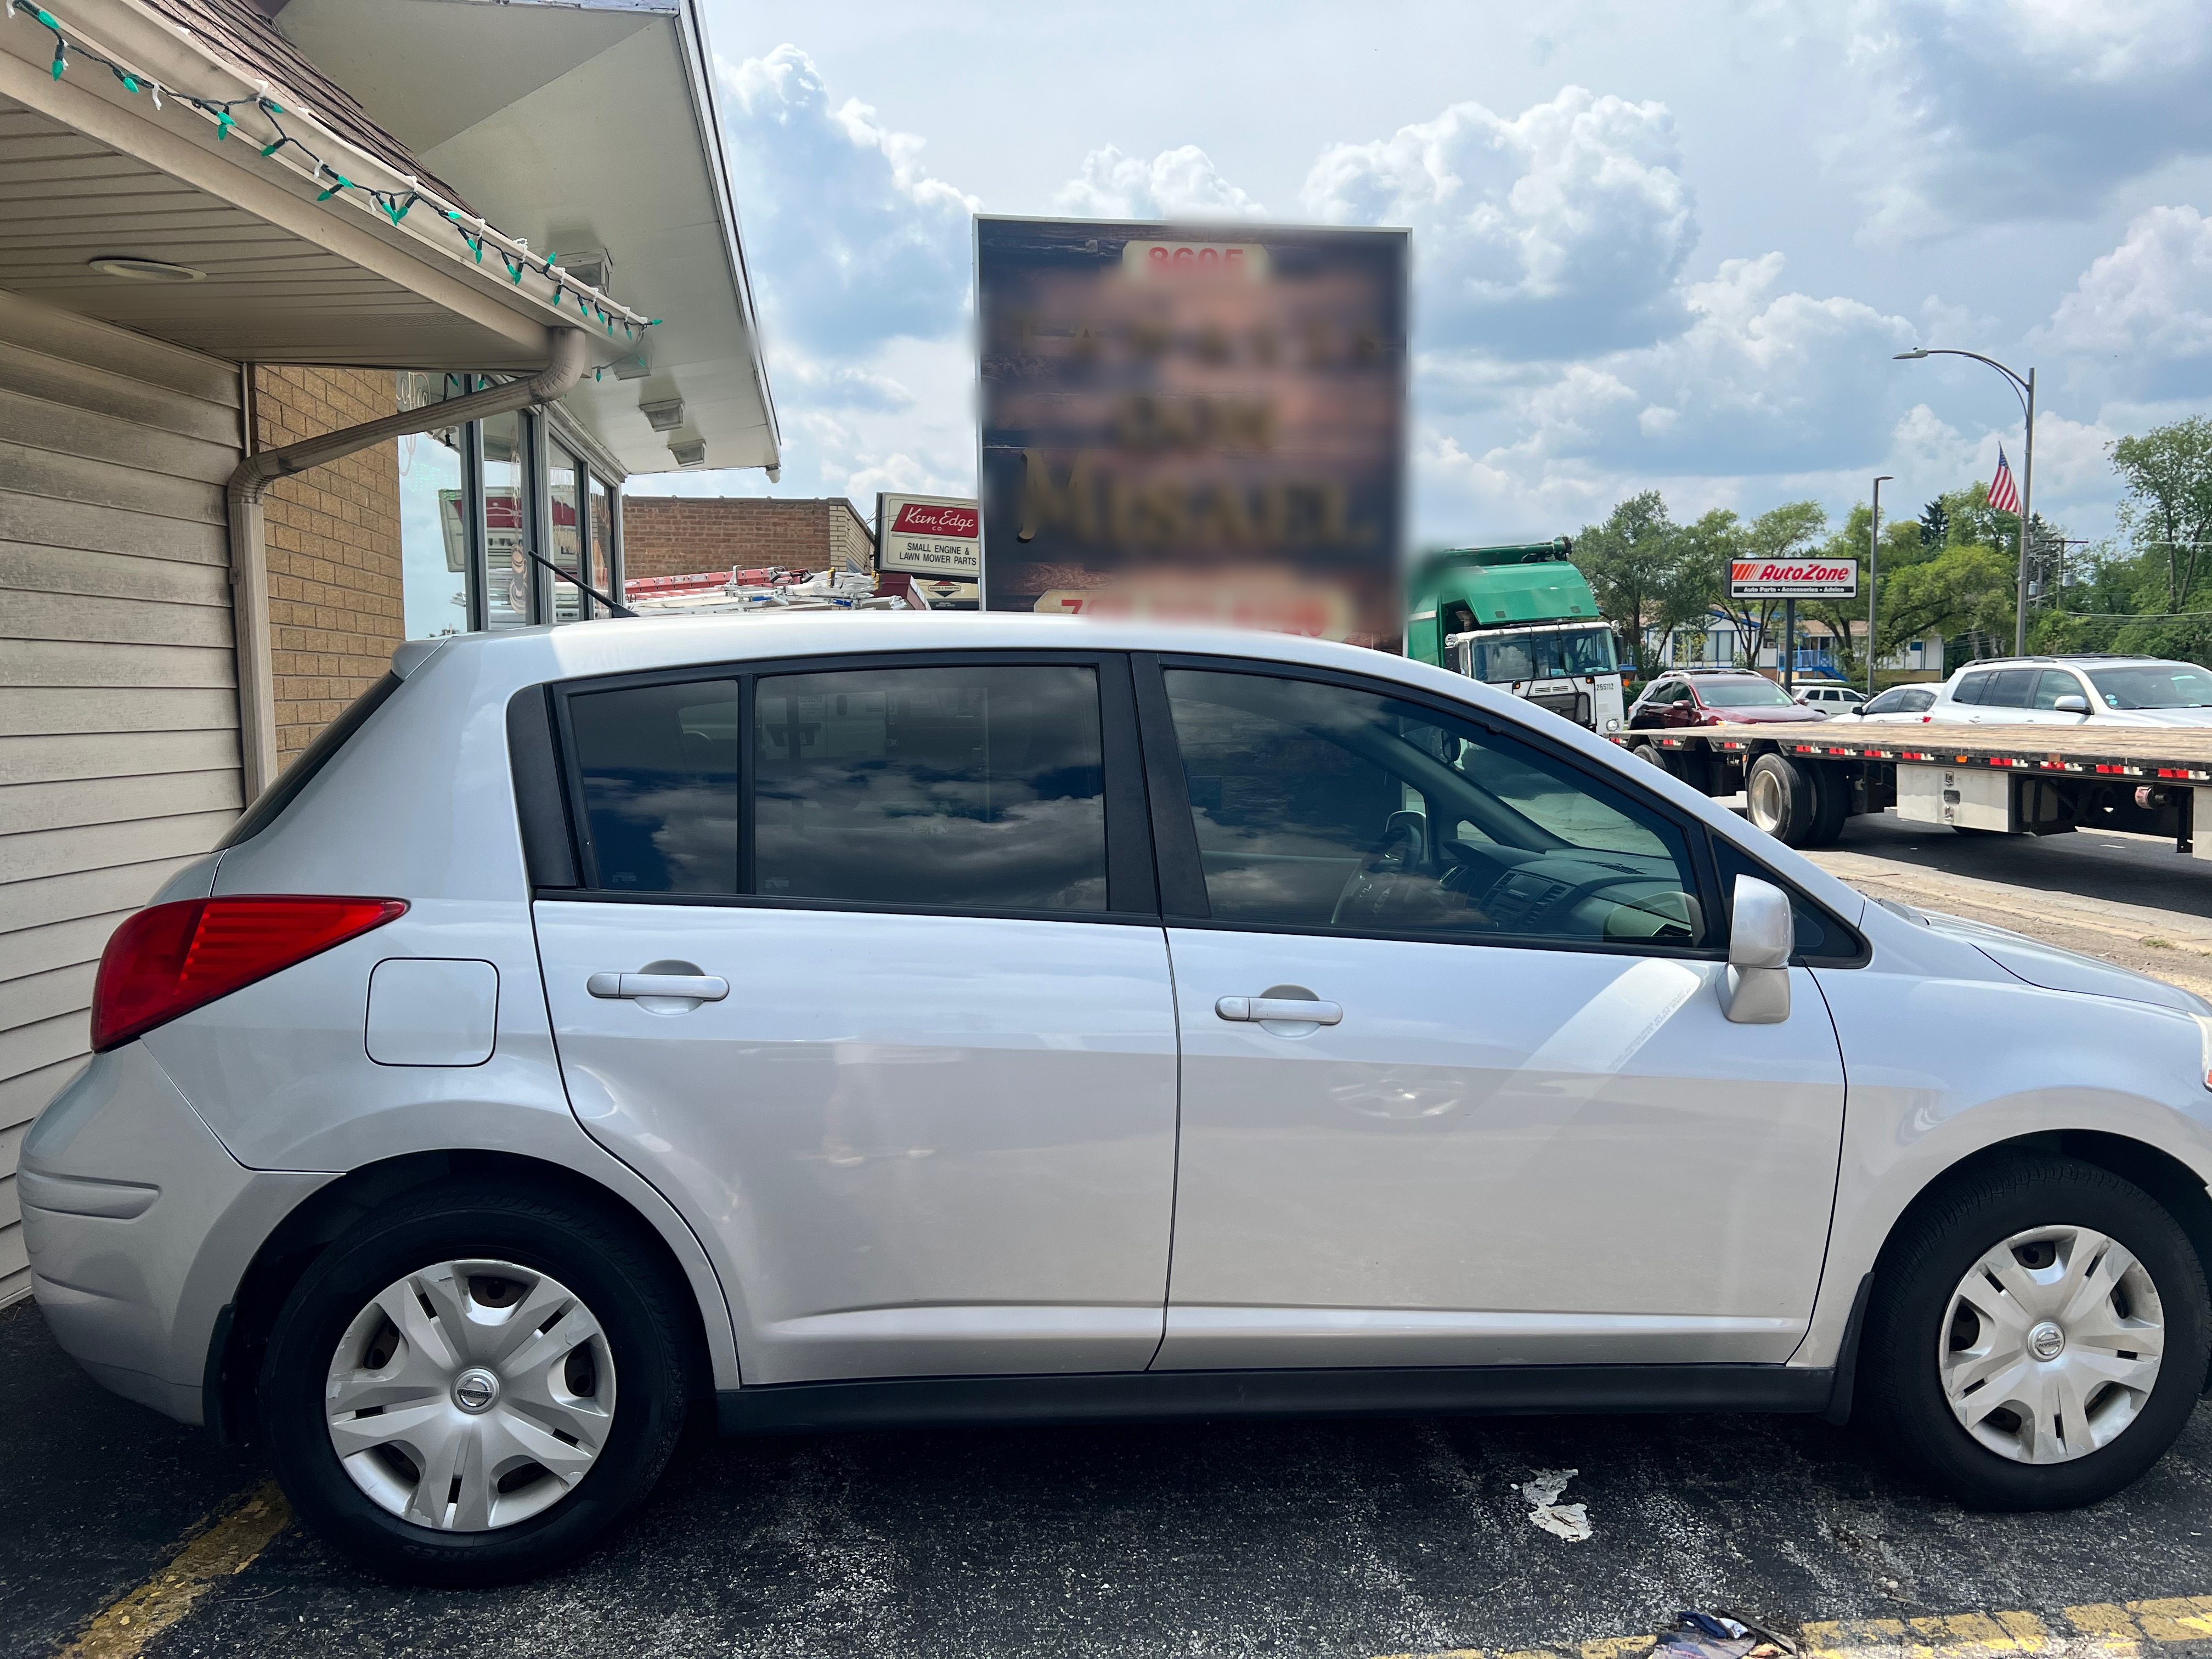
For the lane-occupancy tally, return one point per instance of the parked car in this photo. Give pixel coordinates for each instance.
(1716, 697)
(834, 1018)
(1830, 697)
(1899, 705)
(2083, 691)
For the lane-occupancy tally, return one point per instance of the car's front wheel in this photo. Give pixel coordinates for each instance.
(2039, 1335)
(474, 1384)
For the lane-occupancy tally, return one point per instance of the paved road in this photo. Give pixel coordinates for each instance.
(1292, 1539)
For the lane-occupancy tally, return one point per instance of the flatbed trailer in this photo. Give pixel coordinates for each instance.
(1802, 782)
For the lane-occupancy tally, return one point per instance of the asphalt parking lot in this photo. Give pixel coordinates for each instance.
(1357, 1539)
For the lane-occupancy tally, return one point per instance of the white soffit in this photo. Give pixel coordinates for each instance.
(581, 127)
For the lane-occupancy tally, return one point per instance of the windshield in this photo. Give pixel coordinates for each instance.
(1551, 654)
(2169, 685)
(1742, 694)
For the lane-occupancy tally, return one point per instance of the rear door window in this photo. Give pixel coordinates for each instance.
(657, 772)
(2010, 688)
(967, 787)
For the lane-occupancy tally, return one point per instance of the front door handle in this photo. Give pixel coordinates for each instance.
(699, 988)
(1259, 1008)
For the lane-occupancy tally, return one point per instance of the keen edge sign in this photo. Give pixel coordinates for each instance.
(1794, 579)
(938, 536)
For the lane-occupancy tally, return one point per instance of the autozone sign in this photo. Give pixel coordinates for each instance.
(929, 535)
(1794, 579)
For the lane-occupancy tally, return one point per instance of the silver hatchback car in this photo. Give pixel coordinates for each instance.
(872, 1020)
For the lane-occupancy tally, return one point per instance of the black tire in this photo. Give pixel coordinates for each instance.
(1923, 1266)
(1783, 799)
(1831, 795)
(1648, 753)
(612, 1269)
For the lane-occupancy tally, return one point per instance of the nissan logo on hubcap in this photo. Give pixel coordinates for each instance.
(2046, 1341)
(474, 1391)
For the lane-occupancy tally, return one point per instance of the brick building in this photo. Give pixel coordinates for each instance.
(677, 535)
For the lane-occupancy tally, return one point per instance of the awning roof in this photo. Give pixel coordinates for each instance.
(584, 127)
(580, 128)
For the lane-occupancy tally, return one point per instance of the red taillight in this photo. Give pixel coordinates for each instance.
(172, 958)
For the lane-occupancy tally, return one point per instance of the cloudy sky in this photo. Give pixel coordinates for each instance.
(1671, 246)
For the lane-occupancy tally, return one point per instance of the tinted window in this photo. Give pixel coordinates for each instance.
(959, 786)
(2010, 688)
(658, 768)
(1320, 807)
(1972, 687)
(1916, 700)
(2054, 684)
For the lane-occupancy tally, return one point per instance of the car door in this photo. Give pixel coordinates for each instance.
(865, 973)
(2052, 684)
(1517, 1127)
(2007, 697)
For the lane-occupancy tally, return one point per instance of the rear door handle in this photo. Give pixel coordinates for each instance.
(1258, 1008)
(700, 987)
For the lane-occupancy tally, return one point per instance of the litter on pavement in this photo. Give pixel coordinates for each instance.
(1569, 1521)
(1718, 1635)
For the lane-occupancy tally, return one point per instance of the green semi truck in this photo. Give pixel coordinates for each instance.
(1523, 619)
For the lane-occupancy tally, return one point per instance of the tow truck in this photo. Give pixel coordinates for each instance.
(1522, 618)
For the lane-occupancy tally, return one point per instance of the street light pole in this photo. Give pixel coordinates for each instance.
(1874, 569)
(2025, 391)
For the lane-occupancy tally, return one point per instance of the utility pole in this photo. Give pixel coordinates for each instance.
(1874, 559)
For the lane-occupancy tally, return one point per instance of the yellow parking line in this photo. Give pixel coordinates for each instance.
(122, 1629)
(2106, 1628)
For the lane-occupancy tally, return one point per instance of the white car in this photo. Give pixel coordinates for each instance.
(1900, 705)
(838, 1018)
(1832, 695)
(2074, 691)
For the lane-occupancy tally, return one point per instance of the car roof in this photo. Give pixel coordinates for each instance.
(2105, 659)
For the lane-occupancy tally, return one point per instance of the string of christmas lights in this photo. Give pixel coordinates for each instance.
(394, 204)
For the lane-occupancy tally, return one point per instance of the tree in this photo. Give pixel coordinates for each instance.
(1935, 524)
(1787, 531)
(1632, 561)
(1963, 587)
(2167, 473)
(1900, 546)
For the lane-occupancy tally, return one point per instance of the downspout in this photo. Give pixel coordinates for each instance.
(249, 553)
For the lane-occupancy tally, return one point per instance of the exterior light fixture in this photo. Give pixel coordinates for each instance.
(145, 271)
(664, 416)
(691, 451)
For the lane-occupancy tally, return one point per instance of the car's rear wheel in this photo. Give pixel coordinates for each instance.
(2039, 1335)
(474, 1384)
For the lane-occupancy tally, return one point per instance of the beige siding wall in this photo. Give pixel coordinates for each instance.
(118, 707)
(335, 611)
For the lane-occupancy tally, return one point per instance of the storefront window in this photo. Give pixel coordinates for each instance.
(602, 526)
(434, 542)
(566, 481)
(507, 521)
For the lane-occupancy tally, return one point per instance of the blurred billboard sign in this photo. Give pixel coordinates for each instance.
(937, 536)
(1205, 423)
(1793, 579)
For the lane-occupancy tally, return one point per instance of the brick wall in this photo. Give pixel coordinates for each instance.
(335, 610)
(677, 535)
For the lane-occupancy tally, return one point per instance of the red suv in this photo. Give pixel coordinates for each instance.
(1724, 697)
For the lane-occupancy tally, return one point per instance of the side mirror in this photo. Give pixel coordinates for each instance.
(2073, 703)
(1762, 932)
(1855, 707)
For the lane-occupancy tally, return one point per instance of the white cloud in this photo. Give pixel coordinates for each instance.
(1176, 184)
(1564, 228)
(1996, 110)
(2148, 303)
(850, 240)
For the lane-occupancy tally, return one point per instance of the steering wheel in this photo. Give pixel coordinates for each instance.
(1390, 884)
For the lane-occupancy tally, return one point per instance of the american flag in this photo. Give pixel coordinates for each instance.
(2003, 496)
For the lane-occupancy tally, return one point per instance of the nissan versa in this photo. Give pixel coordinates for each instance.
(887, 1019)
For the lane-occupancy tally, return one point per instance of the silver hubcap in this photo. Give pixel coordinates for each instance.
(1766, 801)
(471, 1395)
(2051, 1345)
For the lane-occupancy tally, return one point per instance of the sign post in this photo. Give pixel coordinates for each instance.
(1193, 421)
